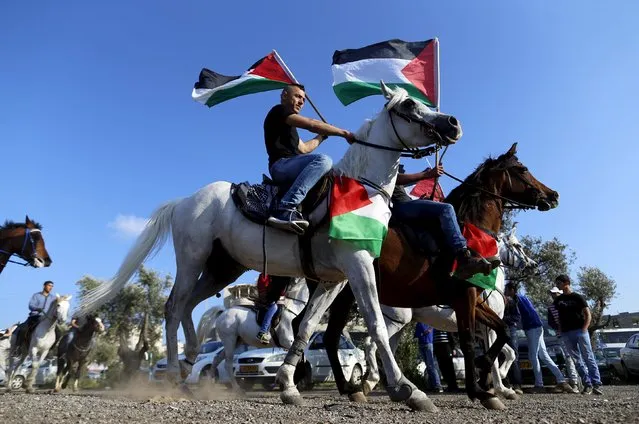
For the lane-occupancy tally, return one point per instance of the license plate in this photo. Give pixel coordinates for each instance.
(525, 364)
(249, 369)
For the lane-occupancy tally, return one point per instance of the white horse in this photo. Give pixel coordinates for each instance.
(512, 255)
(215, 244)
(239, 323)
(42, 338)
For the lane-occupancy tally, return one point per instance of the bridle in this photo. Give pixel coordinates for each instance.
(286, 308)
(28, 238)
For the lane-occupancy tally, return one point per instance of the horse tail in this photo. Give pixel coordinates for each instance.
(153, 237)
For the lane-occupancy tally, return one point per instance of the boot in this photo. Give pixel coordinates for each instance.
(467, 266)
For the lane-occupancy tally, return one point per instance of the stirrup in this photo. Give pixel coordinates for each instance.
(297, 227)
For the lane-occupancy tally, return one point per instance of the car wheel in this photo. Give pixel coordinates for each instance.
(625, 374)
(356, 376)
(17, 382)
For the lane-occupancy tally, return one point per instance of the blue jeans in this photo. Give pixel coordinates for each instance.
(578, 344)
(268, 317)
(302, 172)
(427, 209)
(431, 366)
(537, 350)
(514, 372)
(573, 377)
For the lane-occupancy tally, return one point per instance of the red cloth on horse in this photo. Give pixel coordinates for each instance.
(425, 188)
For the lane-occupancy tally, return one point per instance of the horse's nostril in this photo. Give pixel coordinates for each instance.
(453, 121)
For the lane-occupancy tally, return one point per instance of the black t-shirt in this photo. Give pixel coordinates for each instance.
(399, 193)
(571, 311)
(281, 139)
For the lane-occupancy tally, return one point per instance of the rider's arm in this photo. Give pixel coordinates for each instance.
(410, 179)
(34, 304)
(317, 127)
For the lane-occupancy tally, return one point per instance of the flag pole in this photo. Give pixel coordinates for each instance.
(292, 77)
(437, 76)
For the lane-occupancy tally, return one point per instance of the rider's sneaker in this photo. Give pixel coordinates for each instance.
(564, 387)
(587, 390)
(263, 338)
(288, 219)
(597, 390)
(467, 266)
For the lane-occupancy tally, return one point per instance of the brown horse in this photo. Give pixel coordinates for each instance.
(408, 279)
(25, 241)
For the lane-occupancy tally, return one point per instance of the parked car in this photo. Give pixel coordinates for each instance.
(159, 369)
(458, 366)
(555, 351)
(46, 374)
(204, 360)
(630, 358)
(607, 371)
(260, 366)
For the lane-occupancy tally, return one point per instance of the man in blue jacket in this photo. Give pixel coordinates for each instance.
(534, 329)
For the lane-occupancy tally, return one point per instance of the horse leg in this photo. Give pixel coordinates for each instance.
(60, 373)
(338, 317)
(35, 365)
(490, 337)
(361, 277)
(317, 305)
(78, 374)
(207, 285)
(14, 364)
(463, 302)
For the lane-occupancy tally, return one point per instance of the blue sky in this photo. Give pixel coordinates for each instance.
(97, 116)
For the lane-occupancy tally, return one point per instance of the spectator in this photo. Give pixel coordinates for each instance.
(444, 356)
(512, 318)
(534, 329)
(574, 320)
(424, 335)
(553, 322)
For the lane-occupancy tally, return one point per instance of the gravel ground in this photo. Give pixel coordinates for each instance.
(619, 404)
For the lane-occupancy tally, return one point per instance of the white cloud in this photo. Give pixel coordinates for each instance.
(128, 226)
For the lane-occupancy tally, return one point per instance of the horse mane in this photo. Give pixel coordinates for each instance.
(468, 201)
(10, 225)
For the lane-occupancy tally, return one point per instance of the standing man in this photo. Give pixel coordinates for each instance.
(553, 322)
(444, 356)
(424, 335)
(512, 318)
(534, 329)
(574, 320)
(290, 160)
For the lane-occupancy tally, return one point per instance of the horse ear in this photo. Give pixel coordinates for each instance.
(57, 296)
(68, 297)
(387, 92)
(513, 150)
(28, 222)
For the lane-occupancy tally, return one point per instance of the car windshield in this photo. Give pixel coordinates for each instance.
(210, 347)
(615, 336)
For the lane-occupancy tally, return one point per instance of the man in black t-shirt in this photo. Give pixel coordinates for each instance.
(574, 320)
(289, 158)
(407, 209)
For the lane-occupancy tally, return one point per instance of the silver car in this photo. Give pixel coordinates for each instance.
(46, 374)
(630, 357)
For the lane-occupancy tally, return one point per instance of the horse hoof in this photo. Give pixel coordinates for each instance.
(511, 396)
(420, 402)
(493, 403)
(291, 397)
(184, 389)
(29, 390)
(366, 388)
(357, 397)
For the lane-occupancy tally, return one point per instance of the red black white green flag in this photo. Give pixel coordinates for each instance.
(411, 65)
(266, 74)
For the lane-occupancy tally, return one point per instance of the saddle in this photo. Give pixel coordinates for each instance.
(23, 333)
(258, 201)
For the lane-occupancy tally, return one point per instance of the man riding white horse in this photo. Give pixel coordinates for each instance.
(38, 305)
(289, 159)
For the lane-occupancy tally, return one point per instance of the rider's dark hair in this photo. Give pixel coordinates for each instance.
(300, 86)
(48, 282)
(563, 278)
(512, 286)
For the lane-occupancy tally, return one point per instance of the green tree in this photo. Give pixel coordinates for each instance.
(553, 258)
(598, 289)
(124, 316)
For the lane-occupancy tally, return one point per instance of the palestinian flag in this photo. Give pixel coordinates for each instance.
(359, 215)
(411, 65)
(267, 74)
(485, 245)
(424, 189)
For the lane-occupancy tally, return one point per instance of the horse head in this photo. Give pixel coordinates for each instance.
(94, 323)
(59, 309)
(414, 124)
(25, 240)
(514, 182)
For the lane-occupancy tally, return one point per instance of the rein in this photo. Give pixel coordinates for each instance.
(518, 204)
